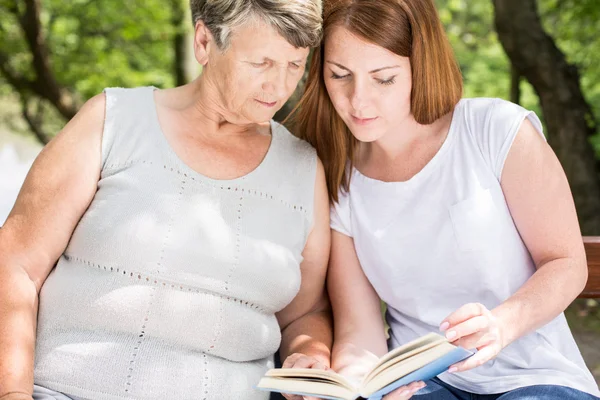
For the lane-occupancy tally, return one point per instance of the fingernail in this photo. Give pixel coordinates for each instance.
(450, 335)
(452, 370)
(444, 326)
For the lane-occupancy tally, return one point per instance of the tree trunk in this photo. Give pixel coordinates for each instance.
(515, 85)
(46, 83)
(178, 21)
(568, 117)
(43, 84)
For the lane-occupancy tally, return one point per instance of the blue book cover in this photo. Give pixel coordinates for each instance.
(427, 372)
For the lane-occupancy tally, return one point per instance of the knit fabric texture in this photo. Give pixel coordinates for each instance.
(169, 286)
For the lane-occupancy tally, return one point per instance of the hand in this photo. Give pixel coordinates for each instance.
(405, 392)
(298, 360)
(473, 326)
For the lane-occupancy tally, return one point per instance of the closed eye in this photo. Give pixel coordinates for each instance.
(259, 65)
(335, 76)
(389, 81)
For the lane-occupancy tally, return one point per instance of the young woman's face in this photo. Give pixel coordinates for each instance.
(370, 87)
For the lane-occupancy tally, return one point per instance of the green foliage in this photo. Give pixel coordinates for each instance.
(100, 43)
(95, 44)
(573, 24)
(486, 68)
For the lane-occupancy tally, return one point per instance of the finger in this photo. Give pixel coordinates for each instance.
(478, 340)
(305, 362)
(464, 313)
(319, 365)
(481, 357)
(405, 392)
(474, 341)
(469, 327)
(291, 360)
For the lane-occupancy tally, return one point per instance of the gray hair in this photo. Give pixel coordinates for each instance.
(297, 21)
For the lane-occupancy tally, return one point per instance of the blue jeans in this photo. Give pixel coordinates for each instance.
(438, 390)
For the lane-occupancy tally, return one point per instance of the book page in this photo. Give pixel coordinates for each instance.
(404, 352)
(407, 350)
(324, 390)
(304, 373)
(405, 367)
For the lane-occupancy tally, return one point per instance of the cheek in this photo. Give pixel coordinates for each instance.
(337, 94)
(396, 102)
(293, 80)
(245, 86)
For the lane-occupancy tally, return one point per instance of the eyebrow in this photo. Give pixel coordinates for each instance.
(371, 72)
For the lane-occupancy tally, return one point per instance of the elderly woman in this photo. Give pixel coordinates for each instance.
(189, 231)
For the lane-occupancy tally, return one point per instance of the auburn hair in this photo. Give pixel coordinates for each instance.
(408, 28)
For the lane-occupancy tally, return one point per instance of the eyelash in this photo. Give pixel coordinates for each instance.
(334, 76)
(388, 82)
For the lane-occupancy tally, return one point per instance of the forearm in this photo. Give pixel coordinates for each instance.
(356, 349)
(18, 312)
(543, 297)
(311, 335)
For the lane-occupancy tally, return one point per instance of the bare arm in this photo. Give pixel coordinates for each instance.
(56, 193)
(306, 321)
(541, 204)
(359, 329)
(359, 339)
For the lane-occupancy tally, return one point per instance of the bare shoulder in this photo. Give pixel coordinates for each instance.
(93, 112)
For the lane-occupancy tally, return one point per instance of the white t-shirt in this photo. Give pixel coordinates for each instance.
(446, 238)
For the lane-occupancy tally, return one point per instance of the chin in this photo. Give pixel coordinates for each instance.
(261, 116)
(258, 118)
(365, 134)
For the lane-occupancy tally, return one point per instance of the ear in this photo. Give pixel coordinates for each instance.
(203, 42)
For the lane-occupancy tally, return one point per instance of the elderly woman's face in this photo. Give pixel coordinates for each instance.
(257, 74)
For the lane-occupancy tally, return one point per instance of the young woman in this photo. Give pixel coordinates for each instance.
(189, 231)
(456, 213)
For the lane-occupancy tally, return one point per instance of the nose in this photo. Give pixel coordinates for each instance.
(276, 82)
(359, 95)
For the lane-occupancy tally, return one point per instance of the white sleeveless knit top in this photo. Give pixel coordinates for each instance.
(169, 286)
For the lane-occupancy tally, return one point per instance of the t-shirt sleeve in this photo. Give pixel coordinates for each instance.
(494, 124)
(340, 214)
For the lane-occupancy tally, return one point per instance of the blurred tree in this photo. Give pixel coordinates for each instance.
(57, 56)
(575, 25)
(569, 119)
(180, 24)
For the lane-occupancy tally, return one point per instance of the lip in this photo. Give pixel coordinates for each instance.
(270, 105)
(362, 121)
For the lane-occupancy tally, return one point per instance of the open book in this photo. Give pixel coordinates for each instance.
(419, 360)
